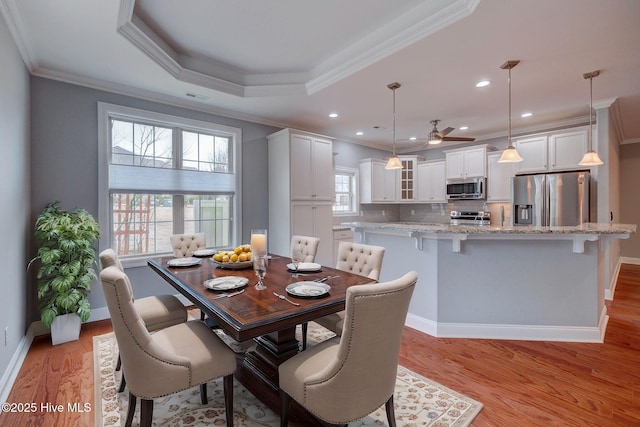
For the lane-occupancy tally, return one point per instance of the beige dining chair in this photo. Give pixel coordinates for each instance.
(185, 244)
(170, 360)
(357, 258)
(306, 246)
(348, 377)
(157, 312)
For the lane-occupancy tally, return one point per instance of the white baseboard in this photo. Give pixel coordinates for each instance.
(12, 371)
(510, 332)
(609, 293)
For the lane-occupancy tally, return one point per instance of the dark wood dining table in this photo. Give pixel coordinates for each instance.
(260, 315)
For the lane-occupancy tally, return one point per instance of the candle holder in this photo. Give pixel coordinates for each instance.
(259, 255)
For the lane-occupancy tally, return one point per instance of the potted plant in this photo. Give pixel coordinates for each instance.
(67, 256)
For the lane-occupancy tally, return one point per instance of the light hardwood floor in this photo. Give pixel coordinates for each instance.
(520, 383)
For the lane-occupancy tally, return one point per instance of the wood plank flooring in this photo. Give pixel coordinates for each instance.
(520, 383)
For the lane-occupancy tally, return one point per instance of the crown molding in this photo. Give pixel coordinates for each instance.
(399, 33)
(403, 31)
(20, 32)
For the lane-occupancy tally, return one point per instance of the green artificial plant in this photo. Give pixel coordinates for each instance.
(67, 256)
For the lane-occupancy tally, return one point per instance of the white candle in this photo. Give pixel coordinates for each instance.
(259, 244)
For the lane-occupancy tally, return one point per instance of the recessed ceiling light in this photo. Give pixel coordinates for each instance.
(483, 83)
(359, 133)
(333, 115)
(463, 127)
(413, 138)
(527, 114)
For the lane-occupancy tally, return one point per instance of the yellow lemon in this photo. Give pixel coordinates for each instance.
(225, 258)
(234, 258)
(248, 255)
(218, 257)
(242, 257)
(237, 250)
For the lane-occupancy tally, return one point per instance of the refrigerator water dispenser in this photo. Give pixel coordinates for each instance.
(524, 215)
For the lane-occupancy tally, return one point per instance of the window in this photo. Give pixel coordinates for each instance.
(346, 195)
(163, 175)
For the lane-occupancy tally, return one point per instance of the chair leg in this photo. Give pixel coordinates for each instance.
(305, 326)
(123, 383)
(146, 412)
(202, 315)
(203, 394)
(285, 405)
(391, 416)
(228, 398)
(131, 410)
(119, 362)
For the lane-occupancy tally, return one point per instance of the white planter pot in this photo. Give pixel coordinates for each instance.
(65, 328)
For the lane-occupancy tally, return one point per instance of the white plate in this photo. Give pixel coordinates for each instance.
(184, 262)
(204, 252)
(308, 289)
(305, 267)
(226, 283)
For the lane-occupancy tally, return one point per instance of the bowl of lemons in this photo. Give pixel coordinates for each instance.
(235, 259)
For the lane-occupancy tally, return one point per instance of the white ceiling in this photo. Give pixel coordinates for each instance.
(290, 63)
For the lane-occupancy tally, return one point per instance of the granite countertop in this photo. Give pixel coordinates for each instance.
(433, 228)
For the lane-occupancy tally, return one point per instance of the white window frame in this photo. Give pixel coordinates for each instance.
(108, 111)
(343, 170)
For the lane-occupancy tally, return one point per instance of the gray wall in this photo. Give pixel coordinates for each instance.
(629, 199)
(14, 195)
(64, 162)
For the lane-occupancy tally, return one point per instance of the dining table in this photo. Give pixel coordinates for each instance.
(269, 316)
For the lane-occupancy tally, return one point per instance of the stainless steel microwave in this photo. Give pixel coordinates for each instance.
(466, 188)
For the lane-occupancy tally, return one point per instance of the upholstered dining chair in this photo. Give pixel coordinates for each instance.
(306, 246)
(170, 360)
(156, 312)
(348, 377)
(184, 244)
(357, 258)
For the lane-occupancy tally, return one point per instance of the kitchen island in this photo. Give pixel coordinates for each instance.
(533, 283)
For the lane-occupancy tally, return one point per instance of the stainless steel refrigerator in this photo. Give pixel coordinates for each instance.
(553, 199)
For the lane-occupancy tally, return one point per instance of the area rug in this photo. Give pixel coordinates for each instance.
(418, 400)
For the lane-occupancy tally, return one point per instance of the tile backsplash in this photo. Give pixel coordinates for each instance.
(425, 212)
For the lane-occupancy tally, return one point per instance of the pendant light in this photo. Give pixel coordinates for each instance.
(510, 154)
(591, 158)
(394, 161)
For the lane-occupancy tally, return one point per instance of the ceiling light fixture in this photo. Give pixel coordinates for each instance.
(591, 158)
(483, 83)
(434, 135)
(510, 154)
(394, 161)
(464, 128)
(359, 133)
(525, 115)
(333, 115)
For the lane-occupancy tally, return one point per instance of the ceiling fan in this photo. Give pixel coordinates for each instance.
(436, 136)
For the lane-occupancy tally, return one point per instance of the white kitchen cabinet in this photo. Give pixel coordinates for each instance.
(377, 184)
(552, 151)
(380, 185)
(406, 179)
(301, 184)
(340, 236)
(431, 182)
(311, 167)
(467, 162)
(499, 178)
(314, 219)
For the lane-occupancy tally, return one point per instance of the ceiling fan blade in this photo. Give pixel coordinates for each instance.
(453, 138)
(444, 132)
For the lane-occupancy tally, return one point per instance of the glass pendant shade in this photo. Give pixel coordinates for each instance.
(510, 155)
(591, 158)
(394, 163)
